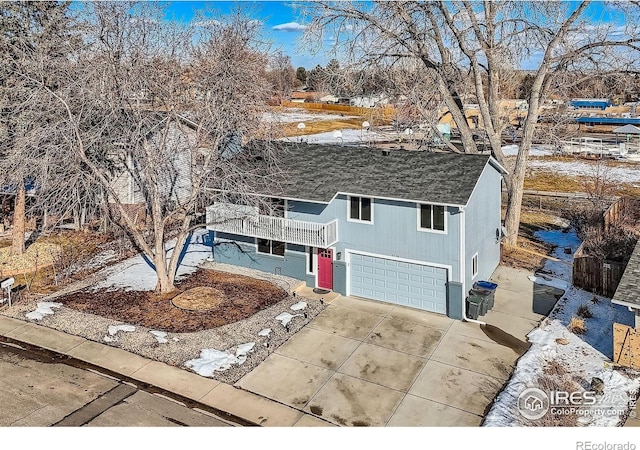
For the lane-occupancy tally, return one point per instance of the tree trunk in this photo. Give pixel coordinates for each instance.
(515, 182)
(164, 285)
(18, 233)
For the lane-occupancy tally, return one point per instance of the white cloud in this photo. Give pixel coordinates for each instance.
(207, 23)
(290, 27)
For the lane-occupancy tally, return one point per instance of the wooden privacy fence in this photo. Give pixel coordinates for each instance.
(386, 112)
(625, 208)
(596, 275)
(626, 346)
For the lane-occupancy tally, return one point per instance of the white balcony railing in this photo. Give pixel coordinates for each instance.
(246, 221)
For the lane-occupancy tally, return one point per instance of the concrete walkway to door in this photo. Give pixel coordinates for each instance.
(367, 363)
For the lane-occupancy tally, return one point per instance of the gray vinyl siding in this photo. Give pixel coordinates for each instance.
(394, 231)
(241, 251)
(483, 219)
(175, 179)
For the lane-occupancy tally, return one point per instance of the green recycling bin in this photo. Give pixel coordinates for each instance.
(474, 306)
(483, 299)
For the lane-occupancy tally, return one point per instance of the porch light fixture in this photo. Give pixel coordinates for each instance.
(339, 256)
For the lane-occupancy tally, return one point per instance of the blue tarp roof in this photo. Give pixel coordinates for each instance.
(591, 103)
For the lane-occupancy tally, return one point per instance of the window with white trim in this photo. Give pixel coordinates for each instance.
(361, 209)
(269, 247)
(474, 266)
(431, 217)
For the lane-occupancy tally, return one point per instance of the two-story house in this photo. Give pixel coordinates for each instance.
(405, 227)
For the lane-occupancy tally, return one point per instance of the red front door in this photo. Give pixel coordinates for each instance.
(325, 268)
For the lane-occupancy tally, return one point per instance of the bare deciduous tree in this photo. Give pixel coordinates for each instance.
(482, 42)
(29, 33)
(157, 112)
(282, 75)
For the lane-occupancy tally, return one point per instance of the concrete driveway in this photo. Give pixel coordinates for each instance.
(367, 363)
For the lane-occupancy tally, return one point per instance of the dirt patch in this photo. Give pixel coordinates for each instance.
(242, 297)
(203, 298)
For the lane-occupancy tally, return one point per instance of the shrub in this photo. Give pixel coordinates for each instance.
(577, 326)
(584, 312)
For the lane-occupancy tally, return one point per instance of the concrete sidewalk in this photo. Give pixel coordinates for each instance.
(223, 397)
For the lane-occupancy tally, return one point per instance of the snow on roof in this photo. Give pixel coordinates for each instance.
(627, 129)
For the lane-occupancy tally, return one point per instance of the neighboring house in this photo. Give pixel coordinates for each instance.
(301, 97)
(369, 101)
(404, 227)
(628, 291)
(175, 170)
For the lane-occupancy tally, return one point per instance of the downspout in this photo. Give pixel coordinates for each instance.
(463, 263)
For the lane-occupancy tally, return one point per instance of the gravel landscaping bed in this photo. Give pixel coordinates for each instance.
(181, 347)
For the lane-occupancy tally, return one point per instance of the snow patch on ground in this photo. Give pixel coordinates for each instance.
(512, 150)
(160, 336)
(299, 115)
(138, 273)
(264, 333)
(621, 174)
(580, 360)
(243, 349)
(348, 137)
(559, 284)
(299, 306)
(583, 357)
(114, 329)
(212, 360)
(286, 317)
(43, 309)
(561, 239)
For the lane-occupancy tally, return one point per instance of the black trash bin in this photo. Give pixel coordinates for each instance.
(489, 290)
(474, 306)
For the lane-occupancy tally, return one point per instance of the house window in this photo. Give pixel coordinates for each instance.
(474, 266)
(269, 247)
(432, 217)
(310, 266)
(360, 209)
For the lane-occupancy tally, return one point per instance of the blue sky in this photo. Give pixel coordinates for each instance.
(282, 24)
(281, 15)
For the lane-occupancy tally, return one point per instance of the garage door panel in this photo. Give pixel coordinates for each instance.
(416, 285)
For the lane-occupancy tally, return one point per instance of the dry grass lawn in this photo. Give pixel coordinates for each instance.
(38, 255)
(323, 126)
(51, 253)
(529, 251)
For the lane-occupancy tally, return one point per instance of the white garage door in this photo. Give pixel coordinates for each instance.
(416, 285)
